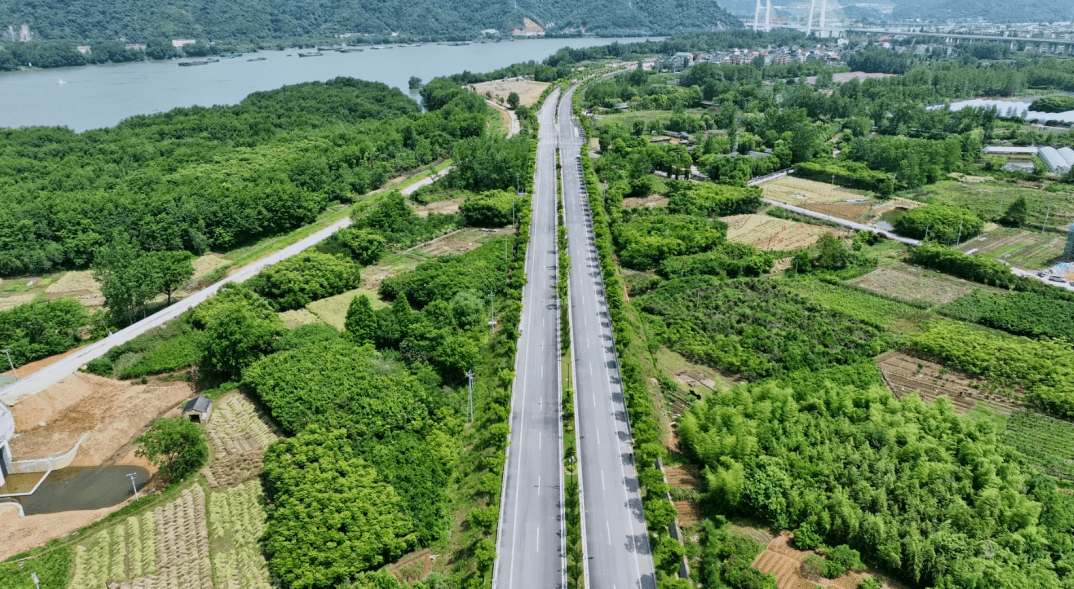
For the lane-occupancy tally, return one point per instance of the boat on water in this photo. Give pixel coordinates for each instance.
(231, 55)
(61, 81)
(256, 59)
(200, 62)
(350, 50)
(317, 54)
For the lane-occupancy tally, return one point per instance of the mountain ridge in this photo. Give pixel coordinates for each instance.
(251, 20)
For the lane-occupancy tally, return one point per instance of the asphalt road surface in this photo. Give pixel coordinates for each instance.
(530, 551)
(613, 521)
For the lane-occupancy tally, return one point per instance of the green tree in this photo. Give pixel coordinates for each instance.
(238, 330)
(175, 445)
(414, 83)
(513, 100)
(361, 323)
(127, 281)
(365, 246)
(328, 517)
(1017, 213)
(832, 253)
(170, 270)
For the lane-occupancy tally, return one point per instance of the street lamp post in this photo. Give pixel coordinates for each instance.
(131, 476)
(10, 363)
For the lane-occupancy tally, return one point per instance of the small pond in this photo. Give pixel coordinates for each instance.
(77, 488)
(887, 220)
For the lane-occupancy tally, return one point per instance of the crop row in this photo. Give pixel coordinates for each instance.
(237, 521)
(120, 552)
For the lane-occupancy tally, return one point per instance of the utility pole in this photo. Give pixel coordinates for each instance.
(470, 376)
(959, 240)
(1046, 218)
(37, 583)
(12, 364)
(492, 313)
(131, 476)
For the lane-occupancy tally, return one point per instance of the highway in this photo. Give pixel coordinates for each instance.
(616, 541)
(530, 542)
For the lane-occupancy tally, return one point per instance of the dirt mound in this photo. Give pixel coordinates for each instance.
(111, 412)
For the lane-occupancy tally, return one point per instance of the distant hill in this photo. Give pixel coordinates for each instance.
(251, 20)
(998, 11)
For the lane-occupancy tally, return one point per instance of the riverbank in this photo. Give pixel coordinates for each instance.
(96, 96)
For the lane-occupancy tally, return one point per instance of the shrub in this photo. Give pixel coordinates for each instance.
(646, 241)
(307, 277)
(364, 245)
(41, 328)
(1053, 104)
(494, 208)
(942, 223)
(712, 200)
(731, 260)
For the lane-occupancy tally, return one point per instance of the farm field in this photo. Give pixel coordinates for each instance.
(163, 548)
(851, 211)
(239, 432)
(905, 375)
(862, 305)
(693, 377)
(687, 477)
(772, 234)
(801, 192)
(236, 524)
(1030, 250)
(653, 200)
(990, 200)
(333, 310)
(918, 285)
(457, 242)
(1048, 442)
(785, 563)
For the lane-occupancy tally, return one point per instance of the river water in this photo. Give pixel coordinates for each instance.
(92, 97)
(1011, 108)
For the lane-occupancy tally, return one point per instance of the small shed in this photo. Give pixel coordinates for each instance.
(198, 409)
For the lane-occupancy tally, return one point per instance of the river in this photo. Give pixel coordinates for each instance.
(98, 96)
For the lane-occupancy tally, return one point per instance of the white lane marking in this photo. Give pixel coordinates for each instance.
(538, 539)
(602, 481)
(598, 435)
(609, 528)
(590, 370)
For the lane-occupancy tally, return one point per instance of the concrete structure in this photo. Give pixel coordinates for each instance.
(198, 409)
(180, 43)
(84, 49)
(7, 431)
(1055, 162)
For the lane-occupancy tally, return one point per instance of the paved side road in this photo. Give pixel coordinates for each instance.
(530, 543)
(53, 374)
(616, 539)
